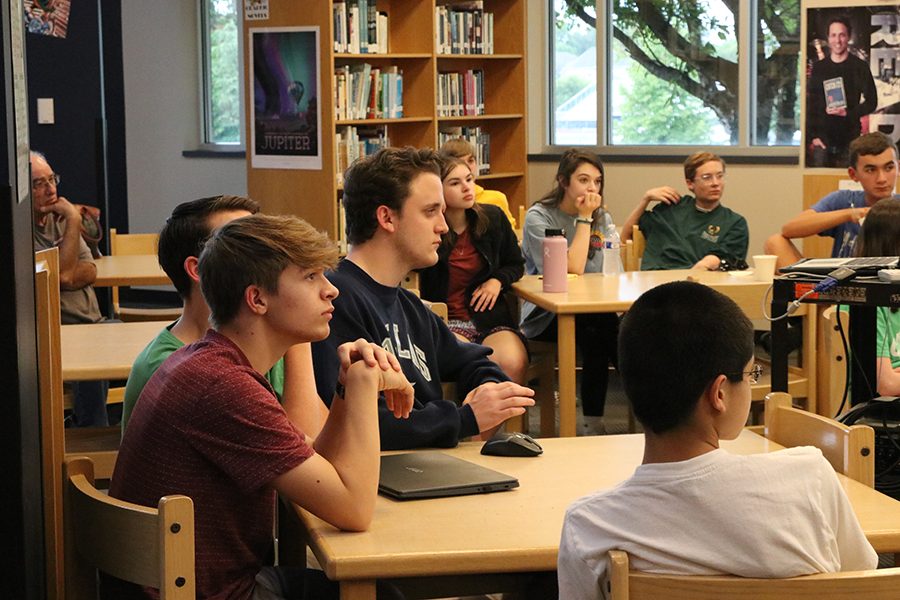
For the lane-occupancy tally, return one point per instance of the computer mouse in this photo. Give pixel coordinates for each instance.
(511, 444)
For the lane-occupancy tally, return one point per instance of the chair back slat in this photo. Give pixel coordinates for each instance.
(148, 546)
(877, 584)
(849, 449)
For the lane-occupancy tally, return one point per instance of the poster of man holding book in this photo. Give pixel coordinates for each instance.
(852, 84)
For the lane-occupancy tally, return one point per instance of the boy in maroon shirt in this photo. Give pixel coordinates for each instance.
(209, 426)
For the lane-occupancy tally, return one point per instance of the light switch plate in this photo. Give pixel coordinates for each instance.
(45, 114)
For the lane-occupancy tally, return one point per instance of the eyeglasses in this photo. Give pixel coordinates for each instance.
(754, 373)
(707, 177)
(43, 182)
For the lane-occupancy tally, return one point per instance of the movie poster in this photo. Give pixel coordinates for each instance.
(47, 17)
(853, 84)
(285, 124)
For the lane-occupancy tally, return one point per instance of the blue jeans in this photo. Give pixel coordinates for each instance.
(89, 403)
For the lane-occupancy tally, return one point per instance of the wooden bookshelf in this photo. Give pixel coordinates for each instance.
(314, 195)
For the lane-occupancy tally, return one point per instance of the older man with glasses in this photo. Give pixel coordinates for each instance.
(691, 231)
(57, 223)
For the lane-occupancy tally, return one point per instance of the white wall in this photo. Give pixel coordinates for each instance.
(162, 114)
(765, 195)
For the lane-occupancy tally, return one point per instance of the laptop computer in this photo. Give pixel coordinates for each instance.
(868, 265)
(414, 475)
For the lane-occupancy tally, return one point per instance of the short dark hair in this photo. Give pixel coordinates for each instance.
(255, 250)
(673, 342)
(187, 230)
(380, 179)
(880, 232)
(870, 144)
(843, 21)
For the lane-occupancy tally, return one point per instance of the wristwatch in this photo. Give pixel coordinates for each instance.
(583, 220)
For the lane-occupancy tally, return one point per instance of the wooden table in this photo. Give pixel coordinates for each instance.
(518, 531)
(104, 350)
(597, 293)
(135, 269)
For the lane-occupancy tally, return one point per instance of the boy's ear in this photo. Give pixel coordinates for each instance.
(190, 267)
(386, 218)
(852, 173)
(715, 395)
(256, 300)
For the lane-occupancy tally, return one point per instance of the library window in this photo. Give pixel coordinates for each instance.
(222, 113)
(673, 73)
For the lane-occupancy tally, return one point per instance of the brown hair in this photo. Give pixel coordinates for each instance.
(380, 179)
(697, 160)
(457, 147)
(870, 144)
(255, 250)
(569, 162)
(476, 217)
(880, 232)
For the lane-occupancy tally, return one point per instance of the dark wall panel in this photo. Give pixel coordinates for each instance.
(83, 75)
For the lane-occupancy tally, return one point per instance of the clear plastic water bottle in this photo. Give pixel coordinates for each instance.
(612, 260)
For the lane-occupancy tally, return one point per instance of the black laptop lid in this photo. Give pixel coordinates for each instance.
(414, 475)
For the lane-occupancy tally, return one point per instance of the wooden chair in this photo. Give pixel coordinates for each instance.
(130, 244)
(411, 282)
(831, 361)
(849, 449)
(624, 584)
(633, 250)
(99, 443)
(148, 546)
(50, 390)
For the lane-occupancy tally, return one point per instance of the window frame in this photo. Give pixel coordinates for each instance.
(747, 64)
(206, 144)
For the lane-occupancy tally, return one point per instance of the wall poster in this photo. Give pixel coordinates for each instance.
(47, 17)
(284, 128)
(853, 79)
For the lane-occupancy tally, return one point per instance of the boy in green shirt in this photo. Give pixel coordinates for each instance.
(690, 232)
(180, 243)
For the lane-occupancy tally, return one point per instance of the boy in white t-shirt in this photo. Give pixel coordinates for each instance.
(686, 359)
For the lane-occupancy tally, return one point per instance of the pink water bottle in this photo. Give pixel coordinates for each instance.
(555, 260)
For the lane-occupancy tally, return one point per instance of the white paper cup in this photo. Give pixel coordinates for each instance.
(764, 266)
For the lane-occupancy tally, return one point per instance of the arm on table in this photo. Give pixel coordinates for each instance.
(340, 482)
(810, 222)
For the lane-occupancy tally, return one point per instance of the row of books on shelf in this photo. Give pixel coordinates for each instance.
(353, 142)
(460, 93)
(464, 28)
(366, 92)
(359, 27)
(480, 140)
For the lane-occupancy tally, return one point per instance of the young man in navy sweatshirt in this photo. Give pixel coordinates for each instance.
(394, 205)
